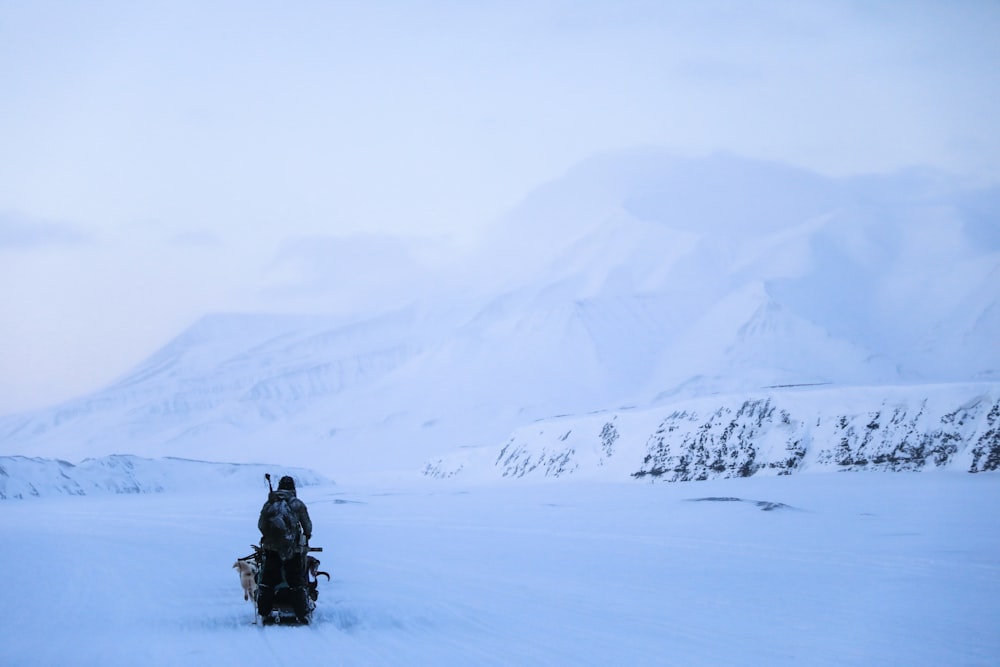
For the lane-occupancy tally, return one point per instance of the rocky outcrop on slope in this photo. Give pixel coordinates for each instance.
(886, 428)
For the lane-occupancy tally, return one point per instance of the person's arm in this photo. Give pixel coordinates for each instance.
(307, 524)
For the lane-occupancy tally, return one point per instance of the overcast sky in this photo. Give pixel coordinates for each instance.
(159, 161)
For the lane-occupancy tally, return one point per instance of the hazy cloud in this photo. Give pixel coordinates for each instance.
(21, 231)
(196, 239)
(360, 272)
(363, 120)
(709, 71)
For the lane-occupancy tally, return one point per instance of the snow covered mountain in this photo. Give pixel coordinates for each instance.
(637, 279)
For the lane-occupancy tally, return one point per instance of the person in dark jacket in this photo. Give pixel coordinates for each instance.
(291, 564)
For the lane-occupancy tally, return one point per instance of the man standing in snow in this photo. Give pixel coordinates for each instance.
(285, 530)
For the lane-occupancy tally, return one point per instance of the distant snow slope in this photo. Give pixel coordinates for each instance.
(635, 279)
(774, 432)
(22, 477)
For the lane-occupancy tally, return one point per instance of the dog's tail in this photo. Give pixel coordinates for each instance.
(325, 574)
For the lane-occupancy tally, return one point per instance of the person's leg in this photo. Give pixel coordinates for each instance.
(270, 576)
(295, 578)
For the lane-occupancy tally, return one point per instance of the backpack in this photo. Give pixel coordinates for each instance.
(280, 526)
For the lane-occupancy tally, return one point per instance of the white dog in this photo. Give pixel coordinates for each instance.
(248, 578)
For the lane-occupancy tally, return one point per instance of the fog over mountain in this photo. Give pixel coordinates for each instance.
(637, 279)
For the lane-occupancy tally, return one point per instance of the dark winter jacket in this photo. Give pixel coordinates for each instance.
(298, 508)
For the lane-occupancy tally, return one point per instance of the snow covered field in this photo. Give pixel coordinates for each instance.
(810, 569)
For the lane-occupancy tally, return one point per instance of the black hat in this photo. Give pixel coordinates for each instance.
(287, 482)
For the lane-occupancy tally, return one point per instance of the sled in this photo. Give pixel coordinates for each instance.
(283, 611)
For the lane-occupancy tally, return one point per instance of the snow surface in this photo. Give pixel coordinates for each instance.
(810, 569)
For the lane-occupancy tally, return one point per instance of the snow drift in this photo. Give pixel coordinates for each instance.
(22, 477)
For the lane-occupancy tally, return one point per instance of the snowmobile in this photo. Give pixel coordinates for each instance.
(284, 607)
